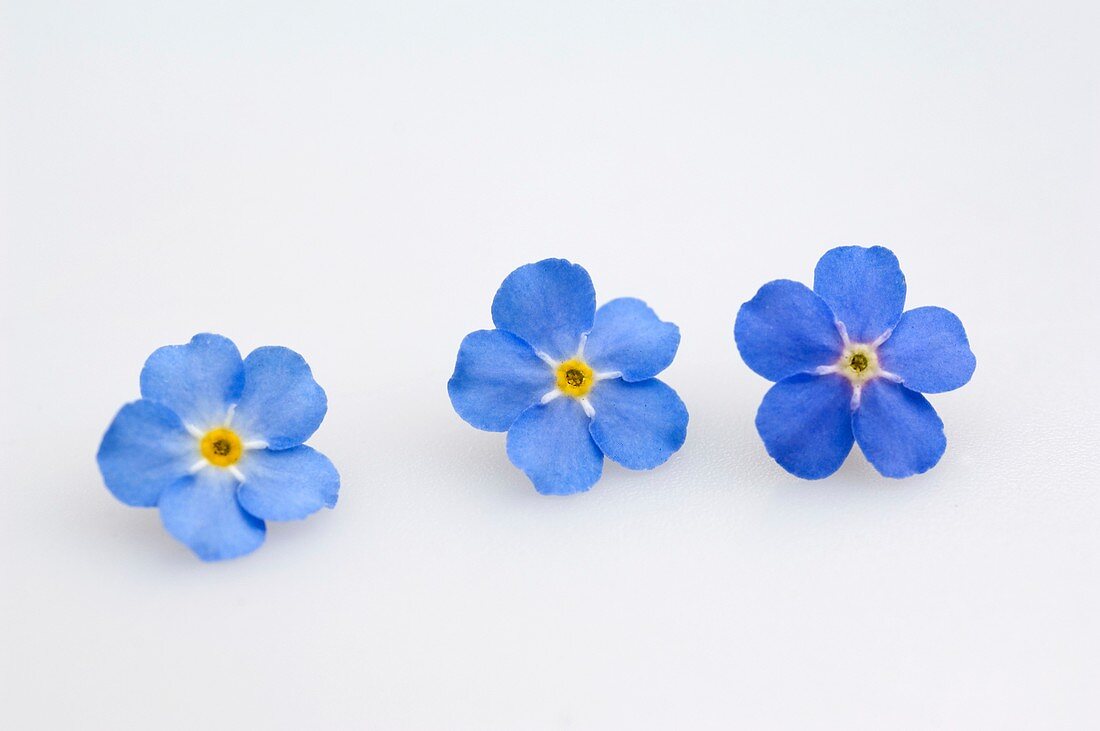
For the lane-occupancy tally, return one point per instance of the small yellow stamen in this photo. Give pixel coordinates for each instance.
(575, 378)
(221, 447)
(859, 363)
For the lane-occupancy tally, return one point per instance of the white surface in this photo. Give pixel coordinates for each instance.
(354, 182)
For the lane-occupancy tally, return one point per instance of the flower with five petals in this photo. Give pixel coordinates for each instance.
(569, 383)
(851, 366)
(216, 443)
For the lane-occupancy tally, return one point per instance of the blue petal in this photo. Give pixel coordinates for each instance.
(806, 424)
(199, 380)
(898, 430)
(639, 425)
(497, 376)
(287, 484)
(864, 287)
(202, 511)
(551, 444)
(549, 304)
(281, 403)
(628, 337)
(929, 350)
(145, 450)
(786, 329)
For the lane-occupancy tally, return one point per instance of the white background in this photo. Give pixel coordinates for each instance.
(354, 181)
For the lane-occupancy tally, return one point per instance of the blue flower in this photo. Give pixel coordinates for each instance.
(569, 383)
(215, 443)
(850, 366)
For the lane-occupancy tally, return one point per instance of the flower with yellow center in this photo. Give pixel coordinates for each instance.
(874, 360)
(570, 383)
(217, 444)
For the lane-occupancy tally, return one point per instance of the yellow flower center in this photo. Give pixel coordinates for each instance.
(221, 447)
(575, 378)
(859, 363)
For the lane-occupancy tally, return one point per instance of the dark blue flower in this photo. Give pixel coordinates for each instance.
(215, 443)
(569, 383)
(850, 366)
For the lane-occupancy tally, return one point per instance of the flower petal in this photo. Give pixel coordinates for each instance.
(864, 287)
(199, 381)
(145, 450)
(551, 444)
(806, 424)
(929, 350)
(202, 511)
(497, 377)
(786, 329)
(898, 430)
(639, 425)
(287, 484)
(628, 337)
(281, 403)
(549, 304)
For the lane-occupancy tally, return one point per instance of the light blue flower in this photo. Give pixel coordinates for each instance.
(215, 443)
(850, 366)
(569, 383)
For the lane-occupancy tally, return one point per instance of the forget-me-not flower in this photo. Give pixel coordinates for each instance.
(215, 442)
(569, 383)
(850, 366)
